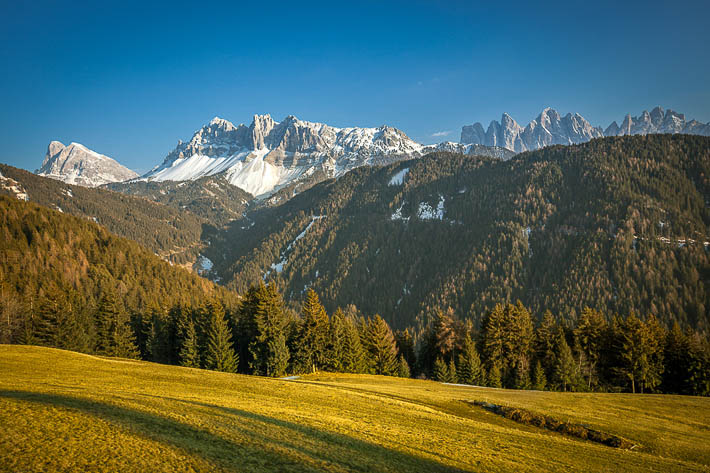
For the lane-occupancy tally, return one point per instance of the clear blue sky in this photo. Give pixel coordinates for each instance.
(130, 79)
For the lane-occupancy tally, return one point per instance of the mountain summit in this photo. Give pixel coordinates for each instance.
(77, 164)
(267, 155)
(550, 128)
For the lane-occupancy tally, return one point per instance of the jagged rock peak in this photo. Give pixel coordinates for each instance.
(77, 164)
(550, 128)
(268, 155)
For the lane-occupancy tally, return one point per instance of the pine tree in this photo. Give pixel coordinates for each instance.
(539, 379)
(353, 351)
(312, 350)
(116, 337)
(452, 376)
(336, 342)
(278, 356)
(157, 342)
(469, 370)
(441, 371)
(405, 346)
(268, 348)
(380, 344)
(220, 355)
(493, 336)
(52, 319)
(403, 368)
(677, 361)
(494, 376)
(189, 353)
(589, 338)
(565, 367)
(518, 342)
(546, 343)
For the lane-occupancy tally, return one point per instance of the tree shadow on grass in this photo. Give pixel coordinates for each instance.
(257, 443)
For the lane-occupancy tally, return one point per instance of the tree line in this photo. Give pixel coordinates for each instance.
(262, 336)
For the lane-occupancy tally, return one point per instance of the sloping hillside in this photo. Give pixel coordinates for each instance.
(619, 224)
(67, 264)
(172, 233)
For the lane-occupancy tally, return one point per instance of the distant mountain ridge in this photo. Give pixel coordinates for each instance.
(551, 128)
(268, 155)
(76, 164)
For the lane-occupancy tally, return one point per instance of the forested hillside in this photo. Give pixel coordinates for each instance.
(70, 283)
(169, 232)
(212, 198)
(617, 224)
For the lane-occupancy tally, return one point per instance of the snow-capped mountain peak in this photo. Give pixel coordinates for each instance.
(266, 155)
(77, 164)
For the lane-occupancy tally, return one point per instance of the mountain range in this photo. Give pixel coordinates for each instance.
(279, 159)
(551, 128)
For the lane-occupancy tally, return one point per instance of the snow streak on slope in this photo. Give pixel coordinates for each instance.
(398, 179)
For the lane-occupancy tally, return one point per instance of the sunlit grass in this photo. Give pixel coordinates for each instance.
(67, 411)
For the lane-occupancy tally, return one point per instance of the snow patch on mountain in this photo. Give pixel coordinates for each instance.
(279, 267)
(427, 212)
(398, 178)
(13, 187)
(397, 215)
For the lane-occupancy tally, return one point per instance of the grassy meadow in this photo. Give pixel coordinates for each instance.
(64, 411)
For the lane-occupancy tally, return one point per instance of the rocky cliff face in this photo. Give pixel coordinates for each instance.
(268, 155)
(550, 128)
(78, 165)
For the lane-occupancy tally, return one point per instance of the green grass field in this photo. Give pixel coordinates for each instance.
(63, 411)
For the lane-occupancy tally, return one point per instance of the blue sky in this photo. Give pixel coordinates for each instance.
(129, 79)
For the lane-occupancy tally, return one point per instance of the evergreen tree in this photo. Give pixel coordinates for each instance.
(116, 338)
(589, 337)
(220, 355)
(353, 350)
(676, 354)
(311, 352)
(565, 369)
(336, 344)
(380, 344)
(469, 369)
(278, 356)
(494, 376)
(452, 376)
(53, 327)
(539, 379)
(405, 346)
(441, 371)
(698, 382)
(546, 343)
(493, 336)
(268, 349)
(189, 353)
(403, 368)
